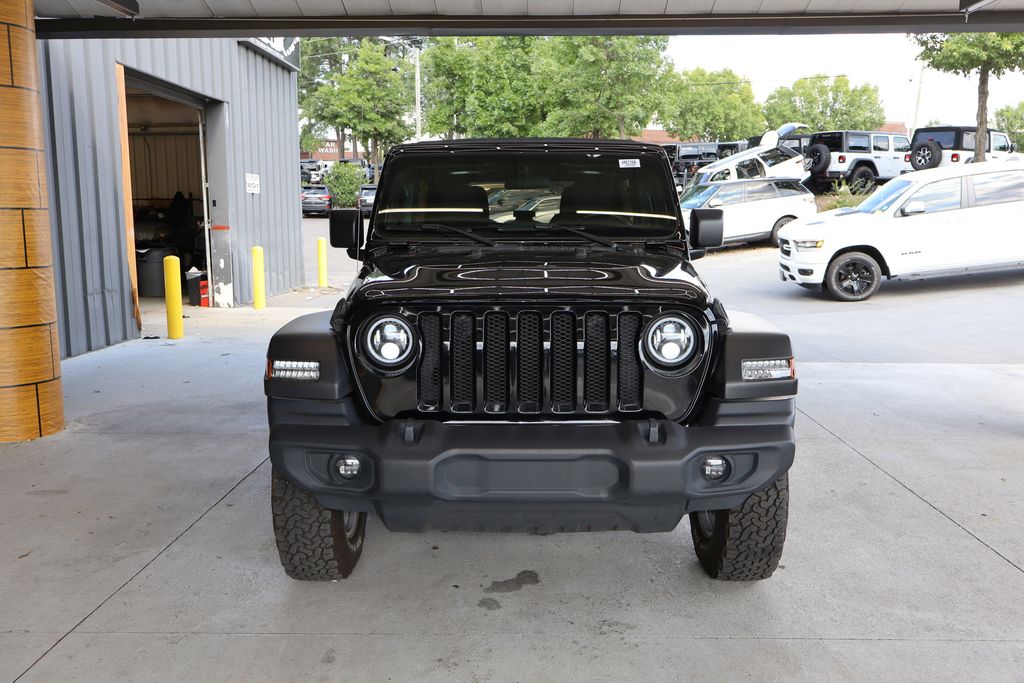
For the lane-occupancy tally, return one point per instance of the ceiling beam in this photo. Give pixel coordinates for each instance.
(438, 25)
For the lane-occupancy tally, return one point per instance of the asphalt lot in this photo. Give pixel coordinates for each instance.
(137, 543)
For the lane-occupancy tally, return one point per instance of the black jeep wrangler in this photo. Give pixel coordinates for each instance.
(520, 371)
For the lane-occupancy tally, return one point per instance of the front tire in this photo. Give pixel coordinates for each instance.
(744, 543)
(853, 276)
(314, 543)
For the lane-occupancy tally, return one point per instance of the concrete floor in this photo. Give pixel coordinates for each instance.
(137, 543)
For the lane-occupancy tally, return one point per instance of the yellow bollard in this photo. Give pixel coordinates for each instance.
(259, 290)
(172, 295)
(321, 262)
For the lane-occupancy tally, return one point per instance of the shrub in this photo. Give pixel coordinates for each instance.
(840, 197)
(343, 180)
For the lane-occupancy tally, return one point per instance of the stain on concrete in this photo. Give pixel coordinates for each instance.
(328, 657)
(610, 627)
(526, 577)
(47, 492)
(489, 604)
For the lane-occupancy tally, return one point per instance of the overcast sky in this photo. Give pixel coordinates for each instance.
(888, 61)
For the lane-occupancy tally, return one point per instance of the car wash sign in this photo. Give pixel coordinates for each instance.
(284, 51)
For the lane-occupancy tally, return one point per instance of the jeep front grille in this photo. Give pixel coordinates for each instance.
(530, 362)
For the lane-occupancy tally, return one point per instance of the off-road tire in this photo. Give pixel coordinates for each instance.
(773, 239)
(838, 276)
(821, 158)
(925, 155)
(311, 540)
(746, 542)
(862, 180)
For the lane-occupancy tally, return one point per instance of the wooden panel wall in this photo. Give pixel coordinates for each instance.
(31, 400)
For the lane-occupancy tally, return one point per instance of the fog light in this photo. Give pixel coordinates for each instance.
(775, 368)
(302, 370)
(715, 468)
(348, 467)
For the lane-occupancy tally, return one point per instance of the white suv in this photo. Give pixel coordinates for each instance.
(949, 145)
(957, 220)
(770, 159)
(861, 158)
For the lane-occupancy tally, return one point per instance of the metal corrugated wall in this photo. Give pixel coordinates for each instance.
(256, 99)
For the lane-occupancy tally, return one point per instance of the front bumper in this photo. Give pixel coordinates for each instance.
(803, 268)
(642, 475)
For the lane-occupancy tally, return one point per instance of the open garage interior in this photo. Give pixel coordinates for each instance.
(138, 509)
(168, 191)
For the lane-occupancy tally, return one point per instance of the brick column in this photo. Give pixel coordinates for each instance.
(31, 401)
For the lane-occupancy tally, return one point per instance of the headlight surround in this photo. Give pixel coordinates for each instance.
(808, 245)
(389, 342)
(670, 341)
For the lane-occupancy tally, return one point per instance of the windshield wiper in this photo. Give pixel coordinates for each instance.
(579, 231)
(440, 227)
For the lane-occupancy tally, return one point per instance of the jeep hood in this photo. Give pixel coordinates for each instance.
(508, 277)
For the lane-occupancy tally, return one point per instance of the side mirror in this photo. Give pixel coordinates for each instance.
(706, 228)
(346, 228)
(913, 208)
(714, 203)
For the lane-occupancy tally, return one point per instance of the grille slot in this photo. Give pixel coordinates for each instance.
(496, 350)
(429, 379)
(463, 362)
(530, 367)
(563, 362)
(596, 359)
(630, 378)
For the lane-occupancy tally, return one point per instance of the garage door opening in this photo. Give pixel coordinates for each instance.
(166, 198)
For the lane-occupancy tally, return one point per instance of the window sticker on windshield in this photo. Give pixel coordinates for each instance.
(629, 163)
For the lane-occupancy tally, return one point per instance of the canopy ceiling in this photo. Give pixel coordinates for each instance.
(104, 18)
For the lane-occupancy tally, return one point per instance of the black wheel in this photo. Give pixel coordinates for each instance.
(774, 237)
(314, 543)
(862, 180)
(853, 276)
(927, 154)
(744, 543)
(821, 158)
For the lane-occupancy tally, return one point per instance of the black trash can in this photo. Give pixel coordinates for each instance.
(150, 266)
(192, 279)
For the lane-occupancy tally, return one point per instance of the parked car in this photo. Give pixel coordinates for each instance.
(798, 142)
(540, 209)
(949, 145)
(954, 220)
(770, 159)
(362, 163)
(364, 201)
(753, 210)
(860, 158)
(316, 199)
(534, 377)
(687, 157)
(306, 168)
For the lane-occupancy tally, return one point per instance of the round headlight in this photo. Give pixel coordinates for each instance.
(389, 341)
(670, 341)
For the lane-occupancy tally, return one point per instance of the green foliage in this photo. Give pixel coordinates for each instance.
(343, 180)
(842, 196)
(371, 97)
(709, 105)
(967, 53)
(446, 67)
(1011, 119)
(599, 86)
(825, 104)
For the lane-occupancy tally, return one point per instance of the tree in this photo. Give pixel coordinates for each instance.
(825, 104)
(599, 86)
(343, 180)
(1011, 119)
(710, 105)
(447, 68)
(372, 96)
(987, 54)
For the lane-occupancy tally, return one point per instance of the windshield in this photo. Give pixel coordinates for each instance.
(884, 197)
(367, 191)
(625, 194)
(697, 195)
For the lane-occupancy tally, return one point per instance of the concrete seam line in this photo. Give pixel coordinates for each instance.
(143, 568)
(914, 493)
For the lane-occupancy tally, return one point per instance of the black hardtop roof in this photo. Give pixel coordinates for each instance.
(526, 145)
(859, 132)
(925, 129)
